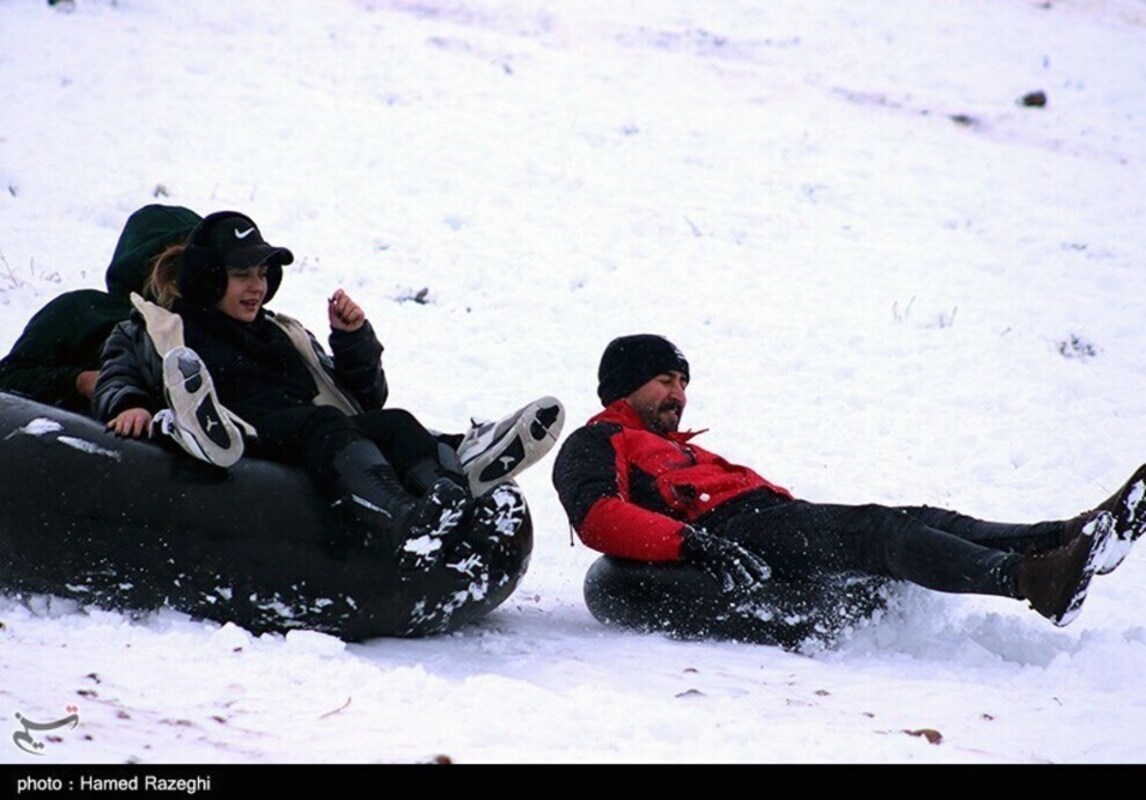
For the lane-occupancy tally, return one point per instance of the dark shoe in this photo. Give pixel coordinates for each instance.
(413, 528)
(1128, 508)
(422, 477)
(368, 488)
(1055, 581)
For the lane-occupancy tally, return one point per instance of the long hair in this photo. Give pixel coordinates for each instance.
(162, 284)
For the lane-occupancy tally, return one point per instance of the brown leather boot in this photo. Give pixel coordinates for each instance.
(1128, 508)
(1055, 581)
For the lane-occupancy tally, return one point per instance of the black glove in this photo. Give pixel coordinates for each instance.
(735, 569)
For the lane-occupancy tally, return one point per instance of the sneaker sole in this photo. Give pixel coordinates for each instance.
(525, 441)
(191, 394)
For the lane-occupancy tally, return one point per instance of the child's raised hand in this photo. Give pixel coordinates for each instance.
(344, 313)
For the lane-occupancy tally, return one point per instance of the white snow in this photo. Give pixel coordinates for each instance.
(895, 283)
(41, 426)
(84, 446)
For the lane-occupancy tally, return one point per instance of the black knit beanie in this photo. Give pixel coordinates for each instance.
(629, 362)
(226, 239)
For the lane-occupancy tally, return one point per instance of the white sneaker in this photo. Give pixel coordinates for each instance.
(193, 416)
(493, 452)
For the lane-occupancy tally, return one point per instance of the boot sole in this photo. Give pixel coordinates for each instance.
(1129, 522)
(1102, 538)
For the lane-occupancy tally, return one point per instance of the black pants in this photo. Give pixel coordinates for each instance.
(933, 547)
(310, 437)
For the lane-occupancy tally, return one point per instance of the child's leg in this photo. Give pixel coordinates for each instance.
(307, 437)
(417, 455)
(351, 471)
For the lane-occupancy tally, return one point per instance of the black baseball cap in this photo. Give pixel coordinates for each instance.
(233, 240)
(226, 239)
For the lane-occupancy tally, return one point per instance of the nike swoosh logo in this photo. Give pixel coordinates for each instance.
(244, 234)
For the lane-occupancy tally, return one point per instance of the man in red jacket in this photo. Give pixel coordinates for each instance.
(636, 487)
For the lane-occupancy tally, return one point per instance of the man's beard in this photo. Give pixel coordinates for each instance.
(659, 420)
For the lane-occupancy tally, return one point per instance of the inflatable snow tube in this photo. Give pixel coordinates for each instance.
(685, 603)
(128, 525)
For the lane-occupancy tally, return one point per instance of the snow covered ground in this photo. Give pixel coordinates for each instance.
(894, 281)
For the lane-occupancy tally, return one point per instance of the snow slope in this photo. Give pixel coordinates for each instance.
(895, 283)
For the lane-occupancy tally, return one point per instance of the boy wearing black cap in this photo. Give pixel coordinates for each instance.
(635, 487)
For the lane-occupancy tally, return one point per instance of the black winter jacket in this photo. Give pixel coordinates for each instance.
(259, 367)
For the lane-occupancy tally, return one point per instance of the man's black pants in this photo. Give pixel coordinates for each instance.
(935, 548)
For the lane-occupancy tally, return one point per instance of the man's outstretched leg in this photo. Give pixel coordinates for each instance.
(798, 538)
(1127, 506)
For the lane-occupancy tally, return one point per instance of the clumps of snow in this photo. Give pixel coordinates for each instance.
(758, 610)
(422, 546)
(932, 627)
(91, 448)
(467, 565)
(231, 637)
(1100, 660)
(507, 513)
(314, 643)
(1133, 497)
(41, 426)
(284, 613)
(420, 612)
(51, 606)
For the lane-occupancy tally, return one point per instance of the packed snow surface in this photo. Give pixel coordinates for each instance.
(898, 278)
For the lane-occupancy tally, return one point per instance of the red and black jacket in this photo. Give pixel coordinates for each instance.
(629, 491)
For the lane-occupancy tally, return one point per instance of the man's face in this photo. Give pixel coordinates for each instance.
(660, 402)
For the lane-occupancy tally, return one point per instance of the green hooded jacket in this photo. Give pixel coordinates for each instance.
(65, 337)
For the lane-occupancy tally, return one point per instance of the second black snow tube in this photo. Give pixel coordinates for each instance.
(685, 603)
(129, 525)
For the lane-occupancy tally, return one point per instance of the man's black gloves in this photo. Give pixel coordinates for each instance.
(731, 566)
